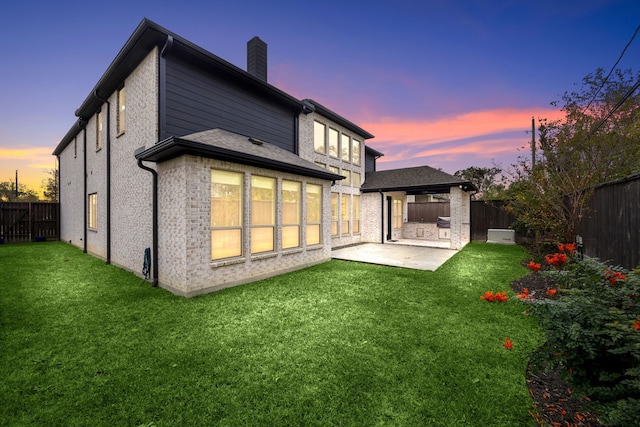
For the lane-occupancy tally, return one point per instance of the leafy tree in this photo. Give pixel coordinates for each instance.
(8, 193)
(485, 179)
(50, 185)
(596, 142)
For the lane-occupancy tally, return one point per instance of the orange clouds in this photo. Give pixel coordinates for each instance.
(31, 162)
(468, 125)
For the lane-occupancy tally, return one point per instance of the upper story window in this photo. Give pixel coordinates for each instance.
(319, 137)
(333, 143)
(346, 148)
(121, 110)
(355, 149)
(99, 127)
(226, 214)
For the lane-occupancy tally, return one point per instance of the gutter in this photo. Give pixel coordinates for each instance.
(154, 215)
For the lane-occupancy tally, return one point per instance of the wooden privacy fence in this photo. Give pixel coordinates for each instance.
(427, 211)
(611, 227)
(484, 215)
(28, 221)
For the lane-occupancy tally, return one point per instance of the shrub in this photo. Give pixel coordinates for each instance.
(593, 334)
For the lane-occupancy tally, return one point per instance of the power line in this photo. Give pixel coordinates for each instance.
(613, 110)
(610, 72)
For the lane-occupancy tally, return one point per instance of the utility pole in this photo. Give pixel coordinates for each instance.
(533, 142)
(16, 184)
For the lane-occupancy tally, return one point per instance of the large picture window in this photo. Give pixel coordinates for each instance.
(314, 214)
(291, 214)
(397, 213)
(319, 137)
(335, 214)
(263, 213)
(93, 211)
(356, 214)
(346, 213)
(226, 214)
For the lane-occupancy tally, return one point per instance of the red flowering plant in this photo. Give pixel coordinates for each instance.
(591, 321)
(497, 297)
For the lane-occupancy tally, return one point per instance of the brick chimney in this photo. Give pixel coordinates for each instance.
(257, 58)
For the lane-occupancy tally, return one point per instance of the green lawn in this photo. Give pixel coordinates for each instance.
(342, 343)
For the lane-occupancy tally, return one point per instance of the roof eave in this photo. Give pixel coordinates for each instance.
(321, 109)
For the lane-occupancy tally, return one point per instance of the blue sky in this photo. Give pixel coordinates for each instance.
(450, 84)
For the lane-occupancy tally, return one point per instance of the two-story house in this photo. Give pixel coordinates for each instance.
(224, 177)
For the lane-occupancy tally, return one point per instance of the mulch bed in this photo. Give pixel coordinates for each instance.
(554, 403)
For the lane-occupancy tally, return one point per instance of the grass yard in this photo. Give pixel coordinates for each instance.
(342, 343)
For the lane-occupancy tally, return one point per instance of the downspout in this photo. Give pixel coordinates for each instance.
(154, 225)
(381, 216)
(108, 156)
(86, 208)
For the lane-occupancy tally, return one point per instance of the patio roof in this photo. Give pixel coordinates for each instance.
(416, 180)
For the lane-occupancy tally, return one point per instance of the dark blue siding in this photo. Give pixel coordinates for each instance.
(369, 162)
(197, 101)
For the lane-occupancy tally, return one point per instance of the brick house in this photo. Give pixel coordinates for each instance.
(226, 178)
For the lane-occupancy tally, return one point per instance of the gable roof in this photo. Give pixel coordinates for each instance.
(224, 145)
(416, 180)
(149, 35)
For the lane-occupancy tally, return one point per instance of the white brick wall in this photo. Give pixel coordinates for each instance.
(307, 151)
(185, 235)
(131, 215)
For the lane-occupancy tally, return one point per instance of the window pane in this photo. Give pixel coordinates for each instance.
(397, 213)
(263, 212)
(226, 214)
(333, 143)
(99, 131)
(314, 213)
(334, 169)
(121, 110)
(226, 199)
(345, 214)
(290, 236)
(226, 243)
(262, 200)
(355, 178)
(319, 137)
(334, 214)
(314, 203)
(313, 234)
(346, 148)
(261, 239)
(355, 144)
(347, 179)
(93, 211)
(356, 214)
(291, 202)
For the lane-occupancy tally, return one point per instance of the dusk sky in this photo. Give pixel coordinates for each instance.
(449, 84)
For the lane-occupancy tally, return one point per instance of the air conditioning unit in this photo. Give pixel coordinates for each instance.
(501, 236)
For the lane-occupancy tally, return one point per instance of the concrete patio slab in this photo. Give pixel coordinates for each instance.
(396, 255)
